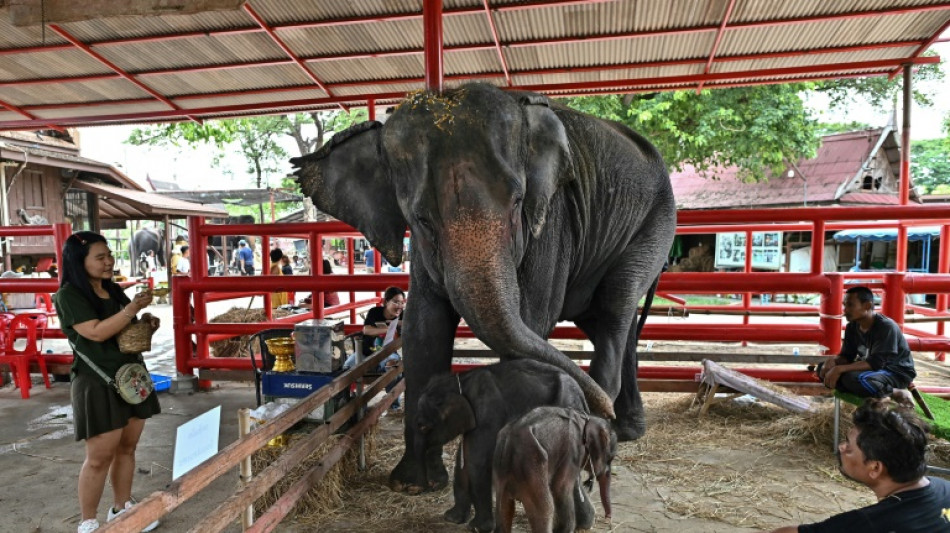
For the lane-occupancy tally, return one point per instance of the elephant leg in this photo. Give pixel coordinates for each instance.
(539, 507)
(584, 513)
(428, 335)
(458, 514)
(504, 509)
(480, 449)
(564, 509)
(611, 325)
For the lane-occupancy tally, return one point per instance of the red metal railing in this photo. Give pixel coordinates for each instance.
(828, 285)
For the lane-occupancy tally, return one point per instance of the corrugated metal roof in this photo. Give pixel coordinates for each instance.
(85, 72)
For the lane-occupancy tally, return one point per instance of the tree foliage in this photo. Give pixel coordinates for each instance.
(256, 139)
(930, 165)
(757, 129)
(754, 128)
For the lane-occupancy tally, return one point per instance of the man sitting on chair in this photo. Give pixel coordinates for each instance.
(875, 360)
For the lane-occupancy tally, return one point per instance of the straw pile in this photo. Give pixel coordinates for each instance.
(234, 347)
(742, 465)
(324, 497)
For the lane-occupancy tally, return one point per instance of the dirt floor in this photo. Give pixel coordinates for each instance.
(745, 466)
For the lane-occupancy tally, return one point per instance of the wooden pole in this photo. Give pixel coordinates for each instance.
(244, 427)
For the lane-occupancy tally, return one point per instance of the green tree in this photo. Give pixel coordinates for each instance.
(257, 139)
(754, 128)
(930, 165)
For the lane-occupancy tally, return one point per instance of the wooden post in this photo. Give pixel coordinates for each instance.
(244, 427)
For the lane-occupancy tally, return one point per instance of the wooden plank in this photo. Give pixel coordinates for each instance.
(716, 375)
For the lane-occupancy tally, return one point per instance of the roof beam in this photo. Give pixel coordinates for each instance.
(115, 68)
(615, 85)
(283, 46)
(923, 47)
(715, 46)
(489, 75)
(494, 34)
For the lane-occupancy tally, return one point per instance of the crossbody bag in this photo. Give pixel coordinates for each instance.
(132, 382)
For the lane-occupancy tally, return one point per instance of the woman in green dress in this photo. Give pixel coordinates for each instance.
(92, 310)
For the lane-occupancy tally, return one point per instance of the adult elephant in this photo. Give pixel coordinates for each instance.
(523, 213)
(143, 241)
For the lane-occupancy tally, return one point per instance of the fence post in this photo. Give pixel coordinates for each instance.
(830, 313)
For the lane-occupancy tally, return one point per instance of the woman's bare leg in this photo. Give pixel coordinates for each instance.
(100, 451)
(123, 463)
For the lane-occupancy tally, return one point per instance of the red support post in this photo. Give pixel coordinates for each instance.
(818, 247)
(830, 315)
(943, 267)
(892, 304)
(905, 141)
(432, 26)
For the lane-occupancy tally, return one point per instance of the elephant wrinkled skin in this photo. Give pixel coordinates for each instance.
(538, 461)
(523, 213)
(477, 405)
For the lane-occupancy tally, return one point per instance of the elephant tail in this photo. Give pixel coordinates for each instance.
(648, 302)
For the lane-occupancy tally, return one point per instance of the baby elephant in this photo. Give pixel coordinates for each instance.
(477, 404)
(538, 461)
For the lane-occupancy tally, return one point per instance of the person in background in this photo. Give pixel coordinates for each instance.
(330, 298)
(875, 359)
(183, 268)
(277, 299)
(176, 253)
(288, 270)
(369, 258)
(886, 452)
(92, 310)
(245, 258)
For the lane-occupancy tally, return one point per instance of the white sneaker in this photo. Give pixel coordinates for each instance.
(88, 526)
(128, 505)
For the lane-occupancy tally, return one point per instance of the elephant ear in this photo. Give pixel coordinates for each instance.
(601, 444)
(548, 157)
(347, 178)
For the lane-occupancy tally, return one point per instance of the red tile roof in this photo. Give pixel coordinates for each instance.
(839, 160)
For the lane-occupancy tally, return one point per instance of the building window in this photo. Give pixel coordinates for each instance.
(78, 205)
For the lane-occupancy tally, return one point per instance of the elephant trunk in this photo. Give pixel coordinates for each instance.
(483, 287)
(603, 482)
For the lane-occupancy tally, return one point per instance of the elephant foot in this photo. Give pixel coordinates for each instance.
(407, 477)
(481, 525)
(629, 428)
(456, 515)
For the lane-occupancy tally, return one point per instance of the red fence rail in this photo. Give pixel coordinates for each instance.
(193, 329)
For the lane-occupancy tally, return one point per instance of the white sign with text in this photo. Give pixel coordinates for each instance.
(196, 441)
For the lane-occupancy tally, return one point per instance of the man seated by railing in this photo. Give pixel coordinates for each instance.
(875, 359)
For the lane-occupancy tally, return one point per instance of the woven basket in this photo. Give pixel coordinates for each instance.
(136, 338)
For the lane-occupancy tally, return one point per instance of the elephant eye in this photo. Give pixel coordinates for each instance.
(424, 222)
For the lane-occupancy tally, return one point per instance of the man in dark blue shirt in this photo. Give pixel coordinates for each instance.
(875, 360)
(886, 451)
(245, 258)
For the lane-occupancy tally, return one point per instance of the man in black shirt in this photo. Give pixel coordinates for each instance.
(875, 360)
(886, 451)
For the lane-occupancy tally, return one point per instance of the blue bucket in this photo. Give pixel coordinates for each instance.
(161, 382)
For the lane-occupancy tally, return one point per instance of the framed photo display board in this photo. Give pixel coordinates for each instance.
(766, 250)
